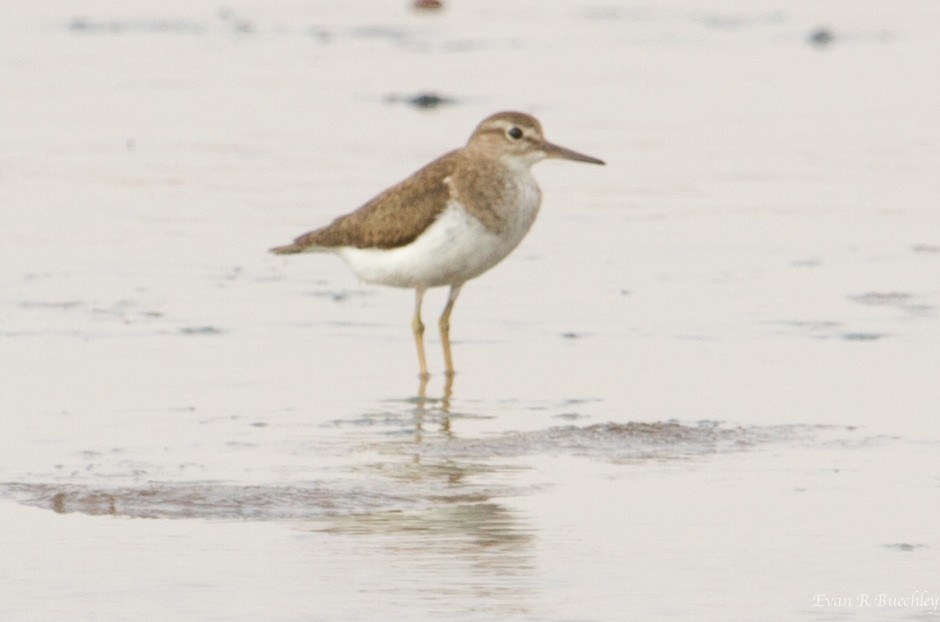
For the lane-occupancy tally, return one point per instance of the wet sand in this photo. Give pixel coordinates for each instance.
(703, 387)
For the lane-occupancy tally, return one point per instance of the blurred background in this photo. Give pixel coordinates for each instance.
(705, 382)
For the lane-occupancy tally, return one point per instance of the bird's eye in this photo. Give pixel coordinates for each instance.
(514, 133)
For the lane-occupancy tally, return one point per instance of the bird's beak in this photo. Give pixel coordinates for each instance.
(562, 153)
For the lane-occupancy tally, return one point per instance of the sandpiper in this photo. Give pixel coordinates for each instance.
(449, 222)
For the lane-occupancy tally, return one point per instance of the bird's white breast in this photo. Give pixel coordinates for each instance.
(455, 248)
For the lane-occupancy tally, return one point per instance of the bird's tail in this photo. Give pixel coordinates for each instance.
(289, 249)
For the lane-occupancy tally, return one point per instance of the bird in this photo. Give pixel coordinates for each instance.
(447, 223)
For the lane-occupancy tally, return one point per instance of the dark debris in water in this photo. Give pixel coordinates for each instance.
(908, 303)
(225, 17)
(740, 19)
(425, 101)
(92, 26)
(339, 295)
(427, 6)
(53, 304)
(863, 336)
(621, 442)
(878, 299)
(836, 330)
(821, 37)
(905, 546)
(201, 330)
(205, 500)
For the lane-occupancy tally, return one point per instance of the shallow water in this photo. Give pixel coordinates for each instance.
(704, 386)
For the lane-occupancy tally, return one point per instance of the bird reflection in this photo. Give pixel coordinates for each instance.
(449, 509)
(423, 403)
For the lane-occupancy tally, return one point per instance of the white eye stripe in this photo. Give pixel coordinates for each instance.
(508, 128)
(507, 125)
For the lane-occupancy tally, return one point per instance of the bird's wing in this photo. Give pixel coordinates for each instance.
(394, 218)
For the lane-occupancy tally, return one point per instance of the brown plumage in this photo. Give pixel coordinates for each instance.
(400, 214)
(392, 219)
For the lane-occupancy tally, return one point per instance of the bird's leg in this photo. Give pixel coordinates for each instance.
(445, 405)
(417, 327)
(445, 327)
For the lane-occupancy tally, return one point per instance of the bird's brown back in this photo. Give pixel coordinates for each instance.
(393, 218)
